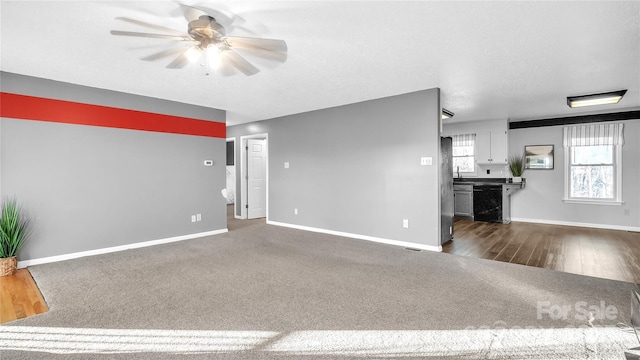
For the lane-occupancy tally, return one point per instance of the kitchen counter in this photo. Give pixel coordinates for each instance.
(491, 197)
(490, 181)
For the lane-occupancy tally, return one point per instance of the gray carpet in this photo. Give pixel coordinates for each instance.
(262, 291)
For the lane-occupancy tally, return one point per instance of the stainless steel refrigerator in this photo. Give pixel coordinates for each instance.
(446, 190)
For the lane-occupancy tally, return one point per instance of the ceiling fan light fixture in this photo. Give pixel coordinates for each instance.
(446, 114)
(193, 54)
(213, 56)
(212, 48)
(612, 97)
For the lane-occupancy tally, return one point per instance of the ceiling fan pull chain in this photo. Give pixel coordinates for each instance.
(205, 60)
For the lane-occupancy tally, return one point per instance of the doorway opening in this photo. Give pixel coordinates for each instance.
(229, 191)
(254, 176)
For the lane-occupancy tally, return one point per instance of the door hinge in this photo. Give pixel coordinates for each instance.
(246, 206)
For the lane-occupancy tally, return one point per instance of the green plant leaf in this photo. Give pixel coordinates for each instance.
(516, 165)
(14, 228)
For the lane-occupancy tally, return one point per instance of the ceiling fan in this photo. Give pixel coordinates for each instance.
(210, 44)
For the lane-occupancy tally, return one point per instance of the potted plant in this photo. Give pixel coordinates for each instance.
(14, 231)
(516, 166)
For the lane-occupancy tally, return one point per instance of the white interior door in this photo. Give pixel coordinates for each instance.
(256, 178)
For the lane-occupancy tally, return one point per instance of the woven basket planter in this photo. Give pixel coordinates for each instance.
(8, 266)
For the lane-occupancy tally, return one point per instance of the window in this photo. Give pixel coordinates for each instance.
(593, 156)
(463, 153)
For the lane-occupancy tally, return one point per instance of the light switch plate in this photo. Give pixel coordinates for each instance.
(286, 164)
(426, 160)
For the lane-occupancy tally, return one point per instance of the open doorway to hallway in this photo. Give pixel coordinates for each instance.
(229, 191)
(254, 176)
(252, 148)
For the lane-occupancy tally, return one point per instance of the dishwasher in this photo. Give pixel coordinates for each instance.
(487, 203)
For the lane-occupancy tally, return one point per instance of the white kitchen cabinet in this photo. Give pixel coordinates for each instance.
(491, 147)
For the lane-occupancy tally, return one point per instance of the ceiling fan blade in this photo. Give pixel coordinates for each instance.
(151, 26)
(223, 15)
(191, 12)
(252, 43)
(225, 68)
(264, 54)
(181, 61)
(148, 35)
(163, 54)
(239, 62)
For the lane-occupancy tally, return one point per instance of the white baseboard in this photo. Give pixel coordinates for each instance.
(569, 223)
(50, 259)
(360, 237)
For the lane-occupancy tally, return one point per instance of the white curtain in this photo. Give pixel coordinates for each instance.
(464, 140)
(593, 135)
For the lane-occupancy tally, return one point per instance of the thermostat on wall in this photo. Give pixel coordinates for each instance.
(208, 163)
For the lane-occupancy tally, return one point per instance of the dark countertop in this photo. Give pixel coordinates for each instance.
(487, 181)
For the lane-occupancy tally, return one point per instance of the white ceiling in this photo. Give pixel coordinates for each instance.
(491, 59)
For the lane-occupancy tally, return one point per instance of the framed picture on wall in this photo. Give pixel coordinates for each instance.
(538, 157)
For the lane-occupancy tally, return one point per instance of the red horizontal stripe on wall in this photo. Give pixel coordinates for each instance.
(68, 112)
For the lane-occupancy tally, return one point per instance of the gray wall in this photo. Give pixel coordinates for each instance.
(91, 187)
(542, 198)
(356, 168)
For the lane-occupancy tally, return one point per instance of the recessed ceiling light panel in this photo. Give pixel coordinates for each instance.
(446, 114)
(612, 97)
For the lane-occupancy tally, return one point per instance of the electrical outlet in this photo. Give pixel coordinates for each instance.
(295, 211)
(198, 217)
(193, 218)
(405, 223)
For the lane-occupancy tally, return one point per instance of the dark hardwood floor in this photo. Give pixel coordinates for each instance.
(609, 254)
